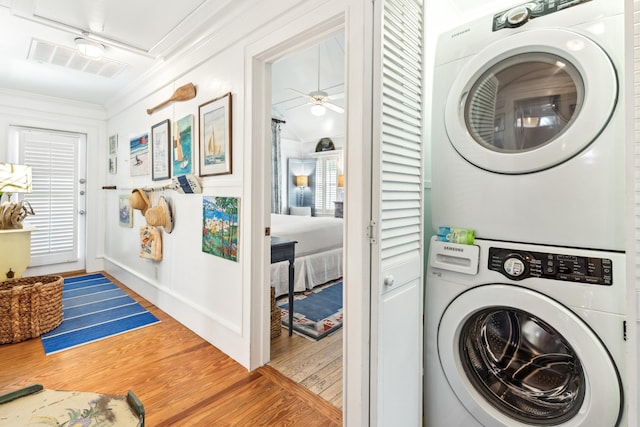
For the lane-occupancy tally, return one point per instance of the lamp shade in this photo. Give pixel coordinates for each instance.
(302, 181)
(340, 181)
(15, 178)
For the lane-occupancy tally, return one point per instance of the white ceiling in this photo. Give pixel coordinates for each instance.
(37, 53)
(298, 72)
(138, 35)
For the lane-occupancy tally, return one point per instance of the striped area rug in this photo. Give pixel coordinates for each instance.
(94, 308)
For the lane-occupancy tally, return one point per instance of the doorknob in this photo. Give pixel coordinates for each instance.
(389, 280)
(81, 212)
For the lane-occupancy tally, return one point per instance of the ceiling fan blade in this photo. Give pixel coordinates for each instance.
(334, 107)
(299, 105)
(336, 96)
(298, 92)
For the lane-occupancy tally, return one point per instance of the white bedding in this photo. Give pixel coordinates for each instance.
(314, 233)
(318, 251)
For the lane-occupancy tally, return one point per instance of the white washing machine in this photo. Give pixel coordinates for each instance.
(527, 125)
(524, 335)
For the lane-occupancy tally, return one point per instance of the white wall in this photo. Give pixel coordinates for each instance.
(210, 295)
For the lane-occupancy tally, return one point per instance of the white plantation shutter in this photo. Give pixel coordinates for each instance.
(326, 184)
(397, 264)
(53, 158)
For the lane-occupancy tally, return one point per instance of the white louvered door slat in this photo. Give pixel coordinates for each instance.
(397, 249)
(53, 157)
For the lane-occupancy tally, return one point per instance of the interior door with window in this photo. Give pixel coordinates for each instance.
(397, 212)
(58, 198)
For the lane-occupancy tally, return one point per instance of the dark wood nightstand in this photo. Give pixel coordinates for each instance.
(339, 211)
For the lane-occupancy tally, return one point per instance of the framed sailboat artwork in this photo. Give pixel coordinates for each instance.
(182, 146)
(215, 136)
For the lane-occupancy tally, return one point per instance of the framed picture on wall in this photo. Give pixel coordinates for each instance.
(215, 136)
(139, 155)
(125, 211)
(160, 154)
(183, 146)
(113, 154)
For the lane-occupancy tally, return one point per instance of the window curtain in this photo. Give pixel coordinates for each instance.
(276, 169)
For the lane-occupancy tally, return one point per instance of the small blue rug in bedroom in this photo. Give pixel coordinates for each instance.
(317, 313)
(94, 308)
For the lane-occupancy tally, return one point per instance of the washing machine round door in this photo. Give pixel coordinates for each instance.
(531, 101)
(515, 357)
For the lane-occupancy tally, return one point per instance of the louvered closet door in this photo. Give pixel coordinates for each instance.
(397, 246)
(58, 197)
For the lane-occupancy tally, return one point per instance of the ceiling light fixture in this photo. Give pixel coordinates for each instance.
(318, 110)
(89, 49)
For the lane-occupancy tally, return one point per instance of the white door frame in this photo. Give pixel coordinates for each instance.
(356, 21)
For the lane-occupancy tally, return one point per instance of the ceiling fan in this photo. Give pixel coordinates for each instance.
(319, 99)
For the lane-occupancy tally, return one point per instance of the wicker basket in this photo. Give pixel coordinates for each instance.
(29, 307)
(276, 316)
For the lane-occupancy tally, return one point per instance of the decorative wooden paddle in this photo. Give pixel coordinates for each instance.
(183, 93)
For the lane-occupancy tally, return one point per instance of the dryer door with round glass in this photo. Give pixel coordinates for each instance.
(521, 106)
(515, 357)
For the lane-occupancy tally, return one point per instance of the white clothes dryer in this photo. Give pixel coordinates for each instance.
(524, 335)
(527, 125)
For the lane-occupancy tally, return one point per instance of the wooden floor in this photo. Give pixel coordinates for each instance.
(314, 365)
(180, 378)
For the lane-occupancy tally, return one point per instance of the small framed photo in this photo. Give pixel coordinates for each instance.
(125, 211)
(215, 136)
(113, 154)
(160, 151)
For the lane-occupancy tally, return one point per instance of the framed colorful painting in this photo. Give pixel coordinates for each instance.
(183, 146)
(220, 226)
(139, 154)
(125, 211)
(215, 136)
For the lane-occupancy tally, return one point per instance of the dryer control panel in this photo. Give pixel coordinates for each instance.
(520, 15)
(518, 265)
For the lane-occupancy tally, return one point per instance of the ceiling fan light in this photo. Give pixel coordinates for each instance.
(318, 110)
(89, 49)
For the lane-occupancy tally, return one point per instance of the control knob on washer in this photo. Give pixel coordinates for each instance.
(518, 16)
(514, 267)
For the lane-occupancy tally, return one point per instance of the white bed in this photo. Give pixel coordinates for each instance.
(318, 251)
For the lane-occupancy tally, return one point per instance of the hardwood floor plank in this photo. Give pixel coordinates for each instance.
(180, 378)
(316, 365)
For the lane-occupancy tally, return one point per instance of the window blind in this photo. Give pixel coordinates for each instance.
(53, 159)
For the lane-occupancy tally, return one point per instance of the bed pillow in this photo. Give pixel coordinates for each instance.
(300, 210)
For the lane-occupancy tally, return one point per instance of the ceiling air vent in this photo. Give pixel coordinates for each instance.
(48, 53)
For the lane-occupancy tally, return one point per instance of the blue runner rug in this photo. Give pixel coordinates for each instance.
(94, 308)
(316, 313)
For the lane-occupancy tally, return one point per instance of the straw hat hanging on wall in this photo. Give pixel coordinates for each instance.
(139, 200)
(161, 215)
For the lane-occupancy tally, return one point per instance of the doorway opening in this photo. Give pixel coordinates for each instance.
(307, 195)
(58, 196)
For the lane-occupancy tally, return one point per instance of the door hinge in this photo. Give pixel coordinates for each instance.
(624, 330)
(372, 232)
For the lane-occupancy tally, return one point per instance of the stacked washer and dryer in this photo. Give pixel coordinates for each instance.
(527, 326)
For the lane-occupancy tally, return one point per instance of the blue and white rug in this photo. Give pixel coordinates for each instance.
(94, 308)
(316, 313)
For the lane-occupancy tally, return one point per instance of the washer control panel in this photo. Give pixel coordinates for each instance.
(520, 15)
(518, 265)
